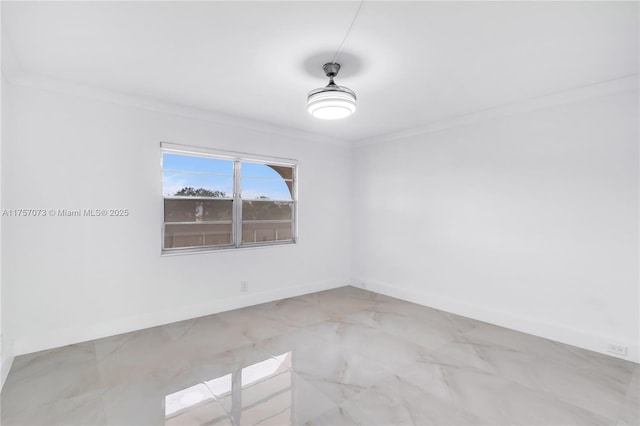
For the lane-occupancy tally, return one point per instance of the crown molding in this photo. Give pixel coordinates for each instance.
(15, 75)
(623, 84)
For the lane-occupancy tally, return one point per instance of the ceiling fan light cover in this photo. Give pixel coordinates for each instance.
(331, 102)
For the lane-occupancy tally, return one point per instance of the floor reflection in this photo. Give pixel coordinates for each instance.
(260, 393)
(193, 405)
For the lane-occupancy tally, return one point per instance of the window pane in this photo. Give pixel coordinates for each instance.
(197, 211)
(186, 184)
(197, 235)
(256, 232)
(266, 221)
(263, 181)
(191, 163)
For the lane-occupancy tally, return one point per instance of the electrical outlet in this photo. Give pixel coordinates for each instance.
(244, 286)
(616, 349)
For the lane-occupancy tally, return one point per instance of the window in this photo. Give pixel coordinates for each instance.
(218, 201)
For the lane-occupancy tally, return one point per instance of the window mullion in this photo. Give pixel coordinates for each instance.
(237, 201)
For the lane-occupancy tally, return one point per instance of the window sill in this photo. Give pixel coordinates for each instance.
(182, 252)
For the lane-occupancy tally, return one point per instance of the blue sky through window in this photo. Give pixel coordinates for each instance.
(197, 164)
(257, 170)
(258, 180)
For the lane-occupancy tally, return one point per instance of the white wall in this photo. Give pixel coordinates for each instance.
(528, 221)
(77, 278)
(3, 351)
(6, 351)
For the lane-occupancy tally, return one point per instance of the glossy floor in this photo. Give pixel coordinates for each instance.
(344, 356)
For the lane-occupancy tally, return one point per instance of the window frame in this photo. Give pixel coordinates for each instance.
(236, 218)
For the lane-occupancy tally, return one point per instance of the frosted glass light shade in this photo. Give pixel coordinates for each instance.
(331, 103)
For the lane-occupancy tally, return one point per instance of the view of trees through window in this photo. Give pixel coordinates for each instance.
(218, 202)
(200, 192)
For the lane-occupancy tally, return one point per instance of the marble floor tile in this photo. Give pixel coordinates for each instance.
(203, 336)
(137, 356)
(339, 357)
(600, 390)
(337, 416)
(295, 312)
(395, 401)
(185, 401)
(496, 400)
(241, 386)
(269, 393)
(343, 300)
(164, 352)
(85, 409)
(138, 402)
(633, 392)
(208, 413)
(49, 376)
(217, 365)
(275, 318)
(256, 324)
(344, 359)
(548, 349)
(337, 372)
(629, 414)
(426, 327)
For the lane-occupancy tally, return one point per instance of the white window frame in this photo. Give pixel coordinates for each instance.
(237, 158)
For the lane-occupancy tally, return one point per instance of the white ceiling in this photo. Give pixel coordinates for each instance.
(410, 63)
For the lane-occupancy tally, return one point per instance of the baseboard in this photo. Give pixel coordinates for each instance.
(559, 333)
(69, 336)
